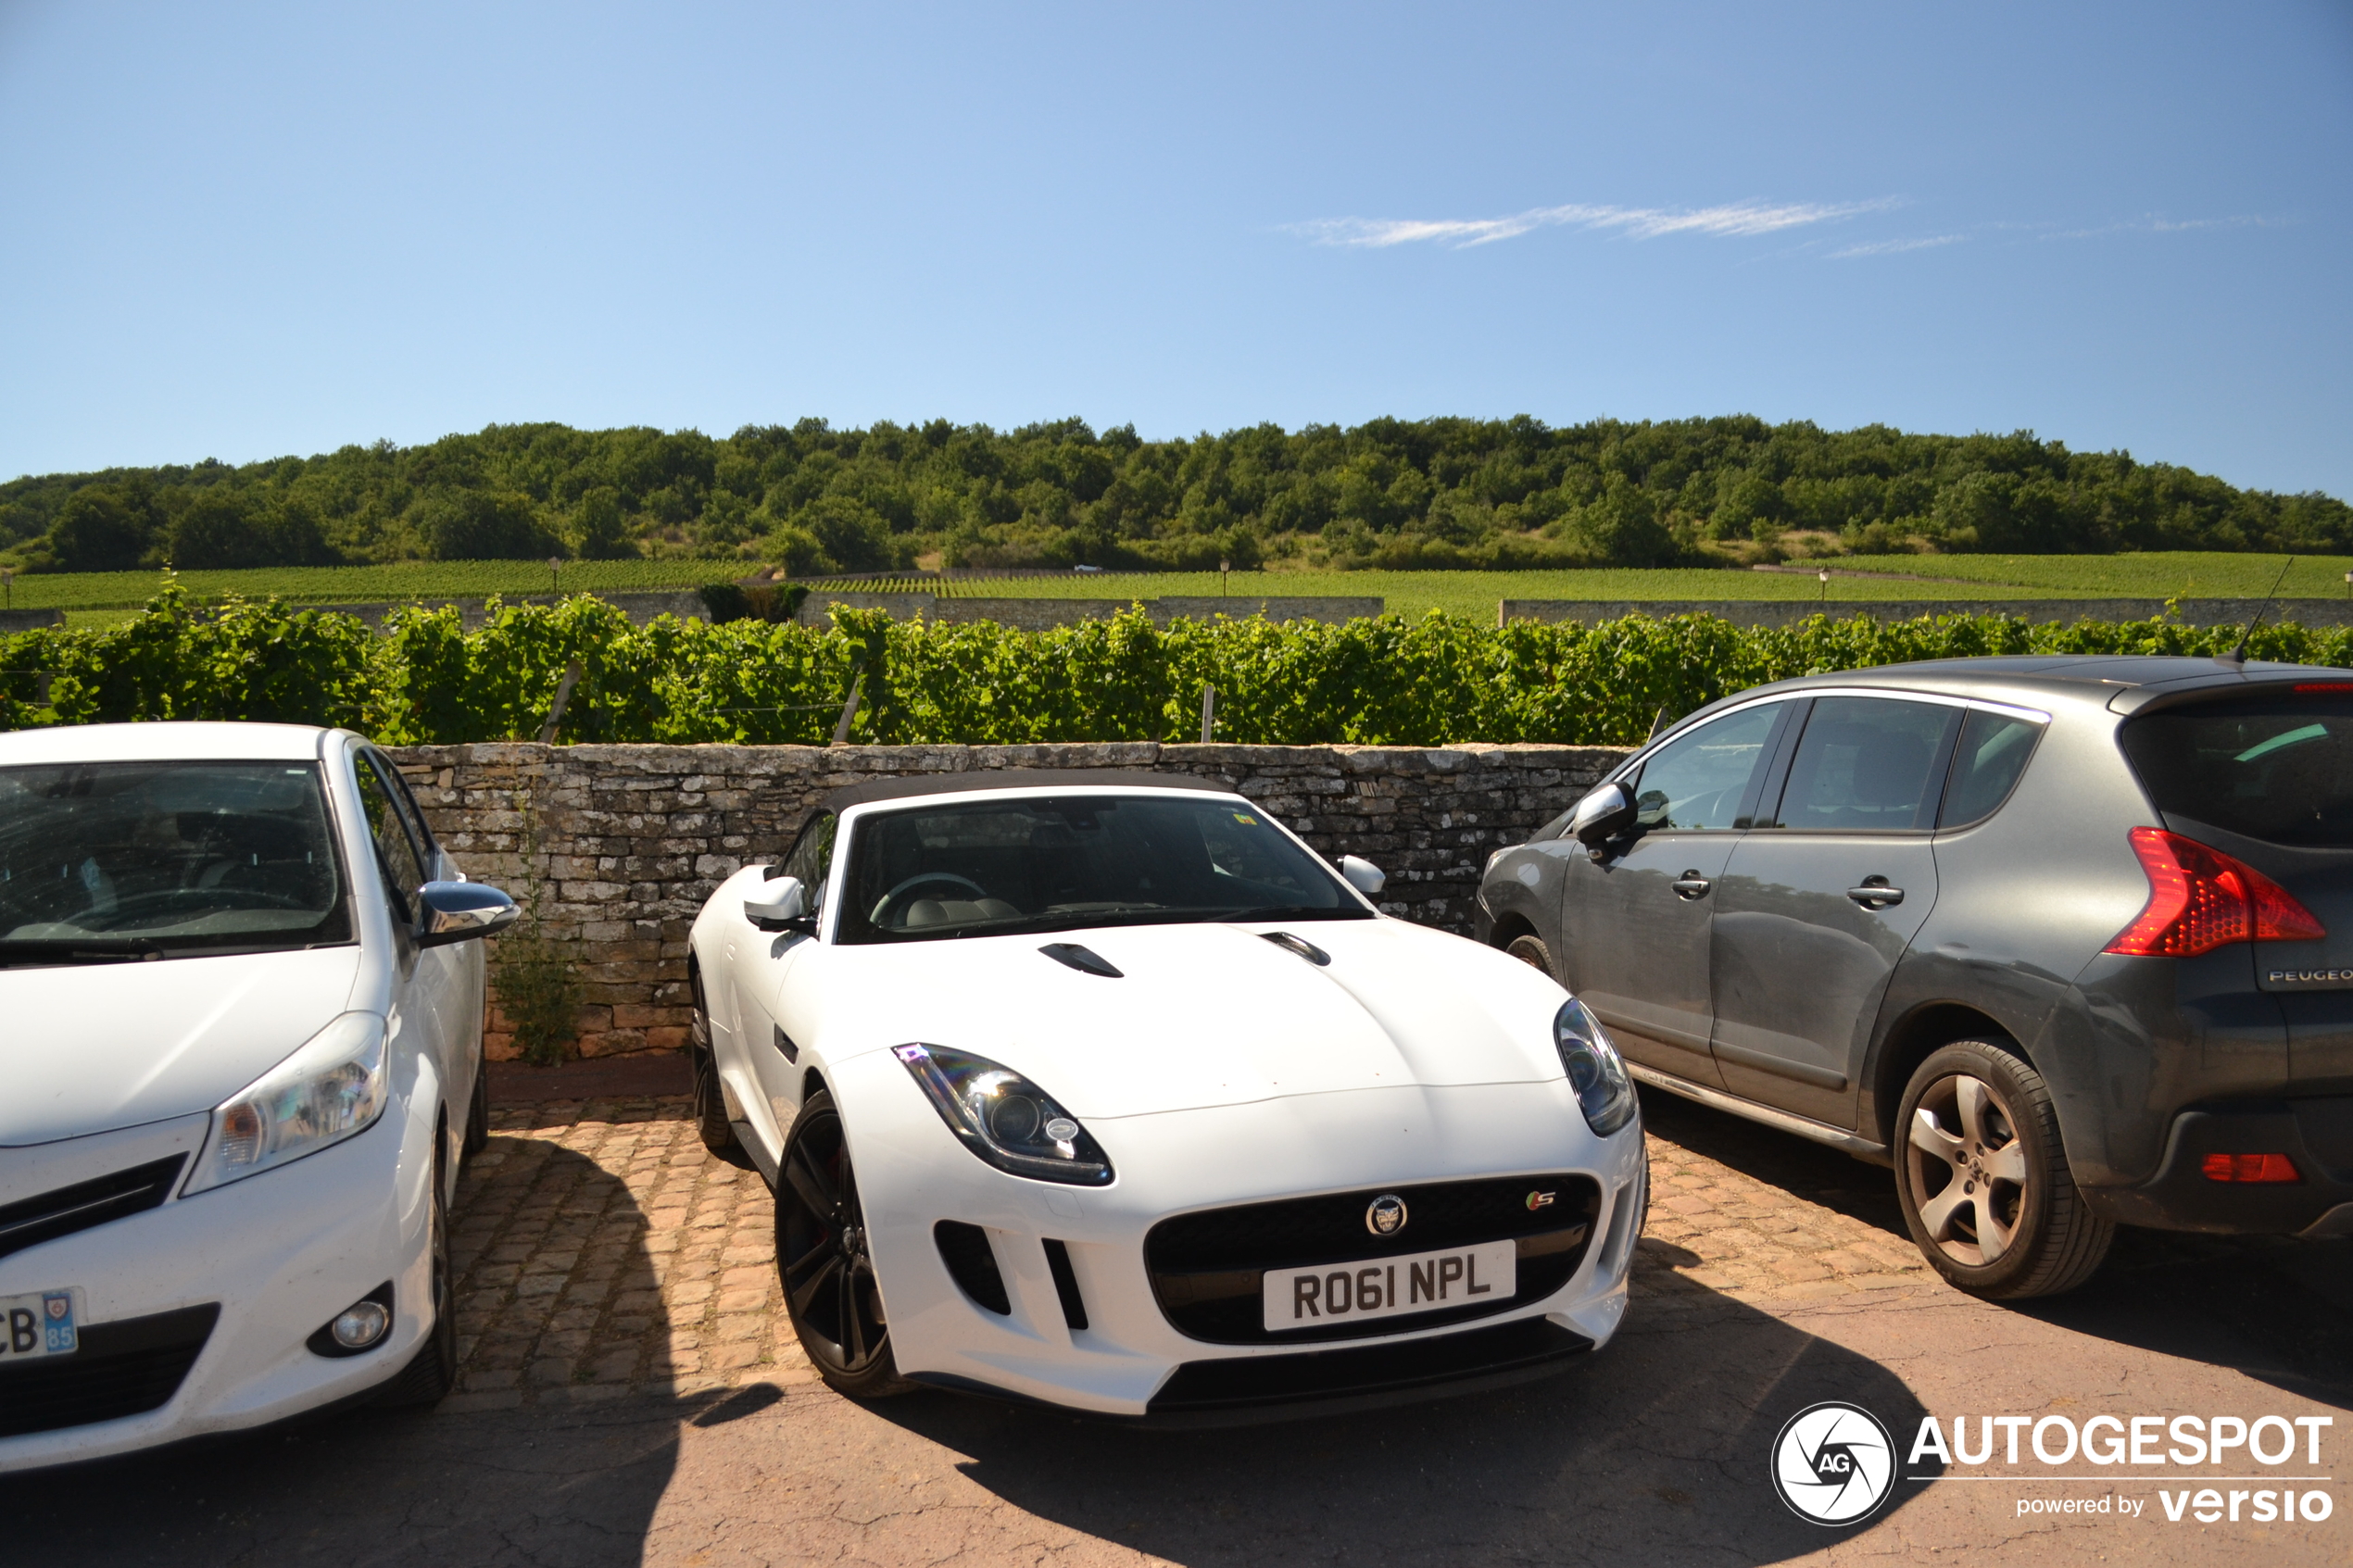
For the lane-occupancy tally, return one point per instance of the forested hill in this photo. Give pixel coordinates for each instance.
(1391, 493)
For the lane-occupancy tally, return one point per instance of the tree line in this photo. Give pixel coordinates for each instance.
(1392, 494)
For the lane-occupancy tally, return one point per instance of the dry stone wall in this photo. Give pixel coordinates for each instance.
(622, 844)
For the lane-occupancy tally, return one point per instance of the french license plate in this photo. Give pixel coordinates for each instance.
(46, 1322)
(1459, 1276)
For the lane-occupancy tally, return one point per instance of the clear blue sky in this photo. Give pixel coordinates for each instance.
(241, 231)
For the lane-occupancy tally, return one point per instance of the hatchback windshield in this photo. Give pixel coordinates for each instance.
(111, 860)
(2274, 768)
(994, 867)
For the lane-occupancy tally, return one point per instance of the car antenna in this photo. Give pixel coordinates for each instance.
(2238, 655)
(1657, 724)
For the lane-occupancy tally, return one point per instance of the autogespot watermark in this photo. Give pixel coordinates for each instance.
(1834, 1464)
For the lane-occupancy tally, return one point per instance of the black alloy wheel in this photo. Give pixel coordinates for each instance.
(710, 1101)
(433, 1370)
(821, 1256)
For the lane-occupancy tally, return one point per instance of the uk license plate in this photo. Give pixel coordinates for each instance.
(1346, 1293)
(44, 1322)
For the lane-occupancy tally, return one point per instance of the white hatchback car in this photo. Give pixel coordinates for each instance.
(1103, 1091)
(241, 1056)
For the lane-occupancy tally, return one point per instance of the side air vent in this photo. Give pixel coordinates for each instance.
(1299, 944)
(972, 1264)
(1065, 1285)
(1084, 960)
(62, 1210)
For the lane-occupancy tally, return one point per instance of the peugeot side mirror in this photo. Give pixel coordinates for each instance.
(781, 905)
(460, 911)
(1608, 812)
(1362, 875)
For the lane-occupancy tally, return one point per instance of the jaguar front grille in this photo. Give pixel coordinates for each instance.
(1207, 1267)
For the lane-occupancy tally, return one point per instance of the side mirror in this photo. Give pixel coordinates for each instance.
(460, 911)
(1606, 814)
(781, 905)
(1362, 875)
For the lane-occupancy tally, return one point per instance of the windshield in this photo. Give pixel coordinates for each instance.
(993, 867)
(2274, 768)
(125, 860)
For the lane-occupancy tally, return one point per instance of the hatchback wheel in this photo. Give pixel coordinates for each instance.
(433, 1370)
(1984, 1181)
(823, 1255)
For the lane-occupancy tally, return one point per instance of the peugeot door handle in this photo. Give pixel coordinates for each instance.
(1691, 885)
(1876, 896)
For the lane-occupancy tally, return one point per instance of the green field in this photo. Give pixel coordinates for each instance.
(2205, 574)
(102, 597)
(366, 585)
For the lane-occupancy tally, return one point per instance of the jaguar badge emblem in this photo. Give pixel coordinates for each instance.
(1385, 1215)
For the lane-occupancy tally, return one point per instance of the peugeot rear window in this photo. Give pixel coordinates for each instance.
(2275, 768)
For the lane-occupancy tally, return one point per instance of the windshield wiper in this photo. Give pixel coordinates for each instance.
(1078, 920)
(1293, 912)
(49, 950)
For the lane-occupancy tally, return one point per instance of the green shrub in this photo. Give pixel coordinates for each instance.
(1388, 680)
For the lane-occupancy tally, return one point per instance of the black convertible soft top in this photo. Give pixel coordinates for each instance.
(1016, 778)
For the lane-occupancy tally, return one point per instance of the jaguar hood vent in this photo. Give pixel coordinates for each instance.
(1301, 946)
(1084, 960)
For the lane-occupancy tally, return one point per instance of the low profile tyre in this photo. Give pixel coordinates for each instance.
(1984, 1181)
(1531, 952)
(710, 1102)
(821, 1256)
(433, 1370)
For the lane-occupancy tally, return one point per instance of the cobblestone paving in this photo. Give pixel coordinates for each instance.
(601, 1251)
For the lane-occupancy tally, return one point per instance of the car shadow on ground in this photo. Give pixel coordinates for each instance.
(1657, 1449)
(564, 1480)
(2273, 1308)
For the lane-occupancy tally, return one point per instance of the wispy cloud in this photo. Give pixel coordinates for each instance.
(1897, 247)
(2153, 224)
(1732, 219)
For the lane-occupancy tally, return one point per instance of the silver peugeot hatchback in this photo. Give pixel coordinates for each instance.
(2067, 941)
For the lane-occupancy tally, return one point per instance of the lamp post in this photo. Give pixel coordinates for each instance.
(1226, 566)
(554, 569)
(1824, 575)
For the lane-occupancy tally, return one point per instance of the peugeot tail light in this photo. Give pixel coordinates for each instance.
(2201, 899)
(2264, 1168)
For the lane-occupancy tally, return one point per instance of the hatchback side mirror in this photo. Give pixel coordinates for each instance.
(781, 905)
(1362, 875)
(460, 911)
(1608, 812)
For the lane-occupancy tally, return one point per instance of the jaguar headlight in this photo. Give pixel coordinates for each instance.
(1004, 1118)
(1603, 1091)
(332, 1089)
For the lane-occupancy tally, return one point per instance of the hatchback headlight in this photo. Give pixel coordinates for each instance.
(331, 1089)
(1603, 1091)
(1004, 1118)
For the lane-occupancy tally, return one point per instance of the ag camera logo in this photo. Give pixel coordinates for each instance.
(1833, 1464)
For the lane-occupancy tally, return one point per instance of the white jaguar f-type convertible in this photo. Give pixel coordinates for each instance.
(1104, 1091)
